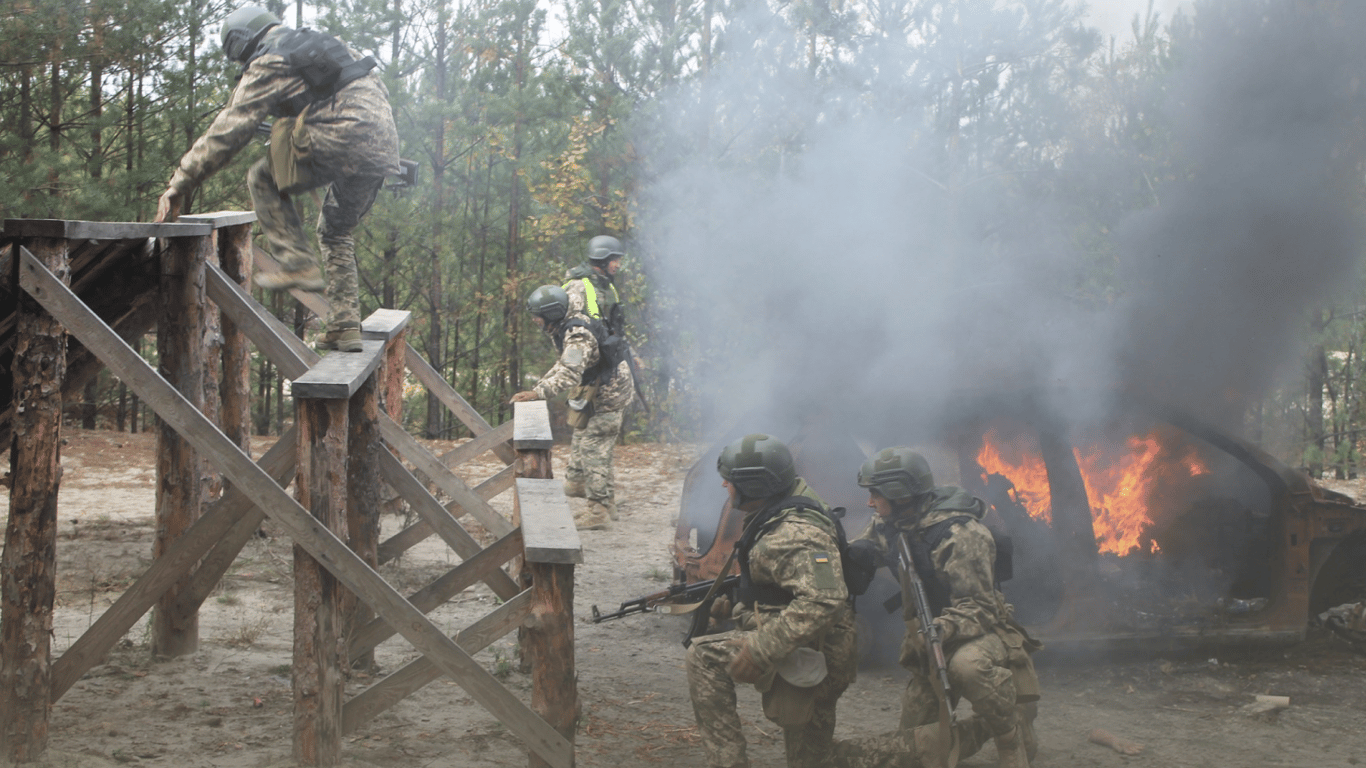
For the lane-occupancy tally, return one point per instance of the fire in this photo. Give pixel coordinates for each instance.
(1120, 482)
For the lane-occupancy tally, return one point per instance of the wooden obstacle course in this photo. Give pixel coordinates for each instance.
(336, 460)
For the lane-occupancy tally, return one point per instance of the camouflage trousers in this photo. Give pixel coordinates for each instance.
(714, 704)
(920, 747)
(978, 671)
(590, 456)
(348, 199)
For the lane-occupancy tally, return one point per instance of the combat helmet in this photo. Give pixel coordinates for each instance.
(603, 249)
(549, 302)
(898, 474)
(244, 28)
(758, 466)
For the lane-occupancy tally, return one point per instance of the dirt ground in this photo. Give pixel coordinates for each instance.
(229, 704)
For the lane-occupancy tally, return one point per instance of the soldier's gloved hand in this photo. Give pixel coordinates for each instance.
(168, 207)
(743, 668)
(946, 630)
(721, 608)
(523, 397)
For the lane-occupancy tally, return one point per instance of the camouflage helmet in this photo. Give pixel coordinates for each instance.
(243, 29)
(603, 249)
(758, 466)
(897, 474)
(549, 302)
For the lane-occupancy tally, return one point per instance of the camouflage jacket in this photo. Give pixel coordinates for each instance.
(578, 353)
(800, 554)
(964, 560)
(607, 301)
(353, 132)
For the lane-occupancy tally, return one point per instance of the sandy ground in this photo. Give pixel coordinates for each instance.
(202, 710)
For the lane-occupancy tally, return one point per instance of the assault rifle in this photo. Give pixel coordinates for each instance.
(934, 644)
(671, 597)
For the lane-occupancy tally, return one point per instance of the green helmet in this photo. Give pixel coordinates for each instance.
(549, 302)
(603, 249)
(758, 466)
(244, 28)
(898, 474)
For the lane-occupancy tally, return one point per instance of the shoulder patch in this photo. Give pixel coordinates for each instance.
(823, 571)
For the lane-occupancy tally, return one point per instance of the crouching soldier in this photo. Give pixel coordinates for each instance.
(795, 638)
(987, 652)
(598, 380)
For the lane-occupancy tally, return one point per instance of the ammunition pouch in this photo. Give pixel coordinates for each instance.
(788, 705)
(291, 149)
(1019, 647)
(580, 404)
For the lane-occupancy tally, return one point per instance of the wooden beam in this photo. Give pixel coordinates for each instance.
(363, 449)
(221, 219)
(475, 569)
(410, 677)
(547, 522)
(181, 333)
(409, 448)
(477, 446)
(446, 394)
(418, 532)
(319, 655)
(234, 256)
(538, 735)
(339, 374)
(223, 517)
(101, 230)
(28, 569)
(384, 324)
(532, 432)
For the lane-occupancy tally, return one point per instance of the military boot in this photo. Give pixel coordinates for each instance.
(574, 489)
(308, 278)
(344, 337)
(595, 518)
(1010, 750)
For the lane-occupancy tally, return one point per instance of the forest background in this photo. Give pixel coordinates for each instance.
(538, 124)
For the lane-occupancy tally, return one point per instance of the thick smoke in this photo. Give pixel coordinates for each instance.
(841, 249)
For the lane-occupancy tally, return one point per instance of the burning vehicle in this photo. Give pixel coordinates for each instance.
(1153, 531)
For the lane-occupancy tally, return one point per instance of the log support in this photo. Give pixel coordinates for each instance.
(28, 565)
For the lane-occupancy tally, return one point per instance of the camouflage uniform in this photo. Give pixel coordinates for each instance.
(348, 143)
(590, 449)
(606, 304)
(789, 556)
(986, 650)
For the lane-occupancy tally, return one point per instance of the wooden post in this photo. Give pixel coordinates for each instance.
(362, 502)
(551, 548)
(181, 330)
(318, 648)
(28, 567)
(234, 255)
(391, 326)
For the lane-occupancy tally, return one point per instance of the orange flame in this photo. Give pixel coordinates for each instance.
(1121, 482)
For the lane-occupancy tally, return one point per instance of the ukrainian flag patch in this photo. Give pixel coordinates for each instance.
(823, 571)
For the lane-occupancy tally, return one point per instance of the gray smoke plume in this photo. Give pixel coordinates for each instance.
(871, 239)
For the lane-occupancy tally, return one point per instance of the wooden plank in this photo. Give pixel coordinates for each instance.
(182, 331)
(453, 582)
(220, 219)
(281, 347)
(439, 520)
(171, 406)
(532, 432)
(547, 522)
(477, 446)
(409, 448)
(418, 532)
(90, 648)
(410, 677)
(339, 374)
(442, 390)
(385, 324)
(101, 230)
(28, 583)
(319, 654)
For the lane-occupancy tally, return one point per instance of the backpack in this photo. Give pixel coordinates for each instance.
(321, 60)
(612, 349)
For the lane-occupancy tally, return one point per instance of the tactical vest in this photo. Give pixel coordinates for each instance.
(923, 543)
(320, 59)
(771, 594)
(601, 301)
(611, 349)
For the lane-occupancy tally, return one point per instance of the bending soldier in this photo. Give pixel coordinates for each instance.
(795, 638)
(598, 381)
(333, 128)
(986, 650)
